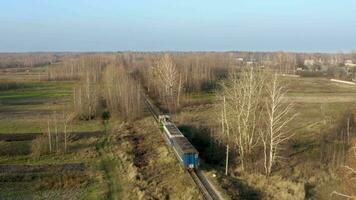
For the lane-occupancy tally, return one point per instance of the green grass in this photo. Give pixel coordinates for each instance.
(92, 192)
(15, 148)
(92, 125)
(30, 90)
(31, 94)
(25, 104)
(21, 126)
(314, 118)
(317, 86)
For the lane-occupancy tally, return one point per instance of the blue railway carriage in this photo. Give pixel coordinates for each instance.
(187, 154)
(184, 150)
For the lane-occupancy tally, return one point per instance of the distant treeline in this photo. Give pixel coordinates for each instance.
(27, 60)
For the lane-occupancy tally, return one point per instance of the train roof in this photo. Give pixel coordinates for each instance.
(185, 145)
(173, 130)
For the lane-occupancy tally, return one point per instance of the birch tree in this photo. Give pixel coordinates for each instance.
(122, 93)
(169, 81)
(277, 116)
(226, 133)
(87, 94)
(243, 94)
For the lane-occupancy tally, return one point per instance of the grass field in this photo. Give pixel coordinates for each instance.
(121, 163)
(118, 164)
(320, 105)
(26, 102)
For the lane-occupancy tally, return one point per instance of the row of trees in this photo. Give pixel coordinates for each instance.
(73, 67)
(103, 84)
(87, 95)
(122, 93)
(254, 116)
(13, 60)
(172, 77)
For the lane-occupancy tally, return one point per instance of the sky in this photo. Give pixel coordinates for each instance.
(180, 25)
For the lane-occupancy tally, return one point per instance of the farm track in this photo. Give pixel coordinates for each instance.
(108, 164)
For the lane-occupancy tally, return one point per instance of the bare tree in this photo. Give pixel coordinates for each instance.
(122, 92)
(243, 94)
(168, 78)
(226, 133)
(86, 95)
(277, 118)
(349, 177)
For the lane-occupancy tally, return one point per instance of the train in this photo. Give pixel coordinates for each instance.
(187, 155)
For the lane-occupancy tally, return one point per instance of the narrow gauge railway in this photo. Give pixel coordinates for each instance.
(187, 155)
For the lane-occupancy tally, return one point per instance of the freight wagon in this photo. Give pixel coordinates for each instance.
(186, 153)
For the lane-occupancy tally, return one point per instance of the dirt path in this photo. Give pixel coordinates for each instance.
(108, 164)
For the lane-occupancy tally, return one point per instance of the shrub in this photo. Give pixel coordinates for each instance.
(39, 146)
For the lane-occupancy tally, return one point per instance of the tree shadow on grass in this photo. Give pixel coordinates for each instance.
(213, 155)
(239, 189)
(210, 151)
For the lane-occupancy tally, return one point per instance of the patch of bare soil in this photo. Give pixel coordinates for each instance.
(18, 137)
(154, 172)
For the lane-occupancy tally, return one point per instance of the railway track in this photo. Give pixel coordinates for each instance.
(151, 108)
(203, 185)
(199, 179)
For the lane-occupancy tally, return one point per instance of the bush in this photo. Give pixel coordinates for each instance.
(39, 146)
(275, 187)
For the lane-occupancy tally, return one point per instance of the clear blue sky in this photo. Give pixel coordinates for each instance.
(184, 25)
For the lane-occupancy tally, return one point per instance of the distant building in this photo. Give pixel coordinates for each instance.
(349, 63)
(299, 69)
(309, 62)
(240, 59)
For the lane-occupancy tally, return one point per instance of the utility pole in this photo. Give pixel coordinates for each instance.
(224, 122)
(49, 137)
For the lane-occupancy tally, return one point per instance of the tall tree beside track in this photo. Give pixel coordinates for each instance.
(122, 93)
(243, 97)
(276, 116)
(254, 117)
(169, 81)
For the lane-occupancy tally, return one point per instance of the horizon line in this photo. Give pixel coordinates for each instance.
(176, 51)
